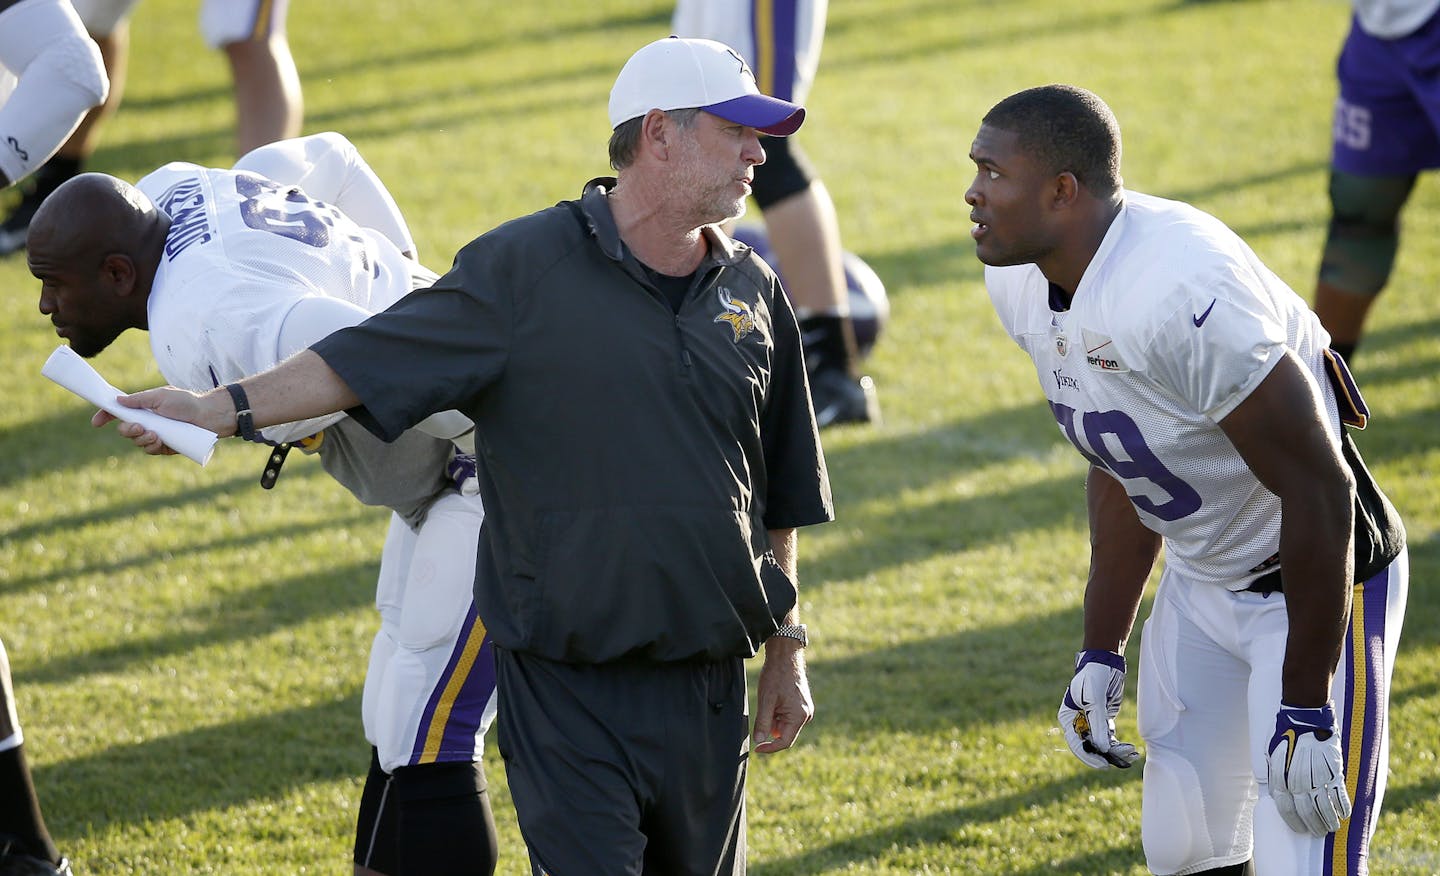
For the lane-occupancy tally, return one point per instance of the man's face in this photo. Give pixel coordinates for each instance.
(82, 302)
(1008, 201)
(715, 161)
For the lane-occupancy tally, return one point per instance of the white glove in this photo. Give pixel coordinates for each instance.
(1307, 771)
(1092, 701)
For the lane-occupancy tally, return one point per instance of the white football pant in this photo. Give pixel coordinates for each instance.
(1209, 688)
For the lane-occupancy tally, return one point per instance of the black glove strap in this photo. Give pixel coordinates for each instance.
(244, 419)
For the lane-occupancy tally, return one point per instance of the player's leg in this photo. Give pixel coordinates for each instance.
(1361, 695)
(1384, 133)
(24, 839)
(432, 819)
(431, 697)
(446, 826)
(429, 694)
(61, 77)
(783, 46)
(805, 236)
(107, 22)
(1360, 248)
(1199, 787)
(376, 852)
(269, 103)
(782, 40)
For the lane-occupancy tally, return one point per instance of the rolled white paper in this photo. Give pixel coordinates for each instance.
(66, 368)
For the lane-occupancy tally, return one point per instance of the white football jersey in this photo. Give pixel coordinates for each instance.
(1173, 325)
(241, 251)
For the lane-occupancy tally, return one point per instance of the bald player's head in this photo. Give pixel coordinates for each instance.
(95, 244)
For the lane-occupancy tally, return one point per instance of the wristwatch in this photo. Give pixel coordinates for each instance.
(244, 420)
(796, 632)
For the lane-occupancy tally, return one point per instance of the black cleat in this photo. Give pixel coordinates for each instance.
(33, 192)
(840, 398)
(24, 865)
(13, 863)
(17, 224)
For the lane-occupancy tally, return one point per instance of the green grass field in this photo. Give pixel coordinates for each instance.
(189, 649)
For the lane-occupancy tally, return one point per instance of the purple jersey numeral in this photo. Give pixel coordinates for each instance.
(1140, 464)
(288, 213)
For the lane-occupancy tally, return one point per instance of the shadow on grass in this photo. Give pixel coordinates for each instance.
(891, 464)
(60, 441)
(915, 533)
(248, 537)
(357, 120)
(948, 261)
(474, 46)
(207, 769)
(424, 108)
(998, 673)
(1400, 334)
(1422, 610)
(1403, 798)
(235, 616)
(1391, 437)
(944, 827)
(1240, 184)
(951, 29)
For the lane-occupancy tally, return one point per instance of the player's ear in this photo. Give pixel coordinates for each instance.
(1065, 189)
(118, 270)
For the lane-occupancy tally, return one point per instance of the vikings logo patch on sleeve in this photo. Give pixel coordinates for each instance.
(735, 312)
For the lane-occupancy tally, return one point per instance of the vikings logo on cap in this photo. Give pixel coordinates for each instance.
(736, 313)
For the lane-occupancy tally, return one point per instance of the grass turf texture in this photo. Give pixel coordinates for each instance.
(190, 649)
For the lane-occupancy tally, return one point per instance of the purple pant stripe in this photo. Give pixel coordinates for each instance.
(1365, 704)
(772, 26)
(463, 719)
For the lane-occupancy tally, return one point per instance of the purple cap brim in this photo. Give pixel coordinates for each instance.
(768, 115)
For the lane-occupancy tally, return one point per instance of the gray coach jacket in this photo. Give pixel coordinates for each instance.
(630, 458)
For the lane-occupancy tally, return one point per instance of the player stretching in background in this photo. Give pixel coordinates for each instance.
(50, 74)
(1387, 130)
(26, 848)
(1200, 389)
(781, 43)
(232, 271)
(268, 99)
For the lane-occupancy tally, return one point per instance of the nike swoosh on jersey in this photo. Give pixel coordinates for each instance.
(1200, 320)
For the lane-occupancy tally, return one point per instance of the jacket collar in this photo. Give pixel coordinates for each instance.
(601, 224)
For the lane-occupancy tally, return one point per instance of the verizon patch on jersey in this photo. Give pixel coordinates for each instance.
(1100, 352)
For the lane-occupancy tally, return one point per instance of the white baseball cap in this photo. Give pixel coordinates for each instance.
(676, 73)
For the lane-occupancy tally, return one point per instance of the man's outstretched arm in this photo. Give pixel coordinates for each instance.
(299, 388)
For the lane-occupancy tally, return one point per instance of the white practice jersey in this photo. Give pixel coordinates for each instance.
(241, 252)
(1174, 324)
